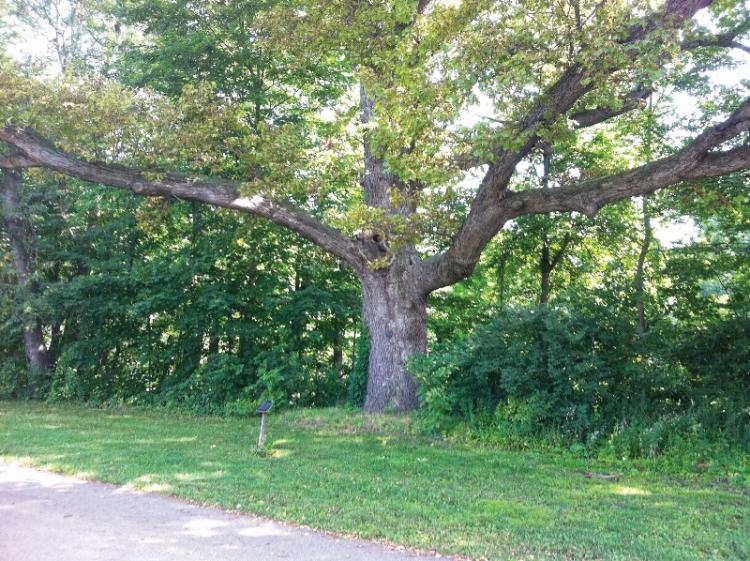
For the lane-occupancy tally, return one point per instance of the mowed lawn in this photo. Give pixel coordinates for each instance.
(346, 472)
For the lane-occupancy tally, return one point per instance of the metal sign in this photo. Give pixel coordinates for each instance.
(265, 407)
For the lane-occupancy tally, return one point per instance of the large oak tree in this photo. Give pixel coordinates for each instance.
(380, 174)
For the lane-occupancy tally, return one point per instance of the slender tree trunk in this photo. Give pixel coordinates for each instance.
(396, 318)
(640, 273)
(545, 271)
(213, 345)
(338, 347)
(502, 283)
(338, 338)
(19, 232)
(55, 342)
(545, 262)
(298, 323)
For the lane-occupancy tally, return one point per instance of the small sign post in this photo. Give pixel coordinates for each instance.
(264, 408)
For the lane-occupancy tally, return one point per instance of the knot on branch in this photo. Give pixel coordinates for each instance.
(372, 245)
(139, 188)
(590, 209)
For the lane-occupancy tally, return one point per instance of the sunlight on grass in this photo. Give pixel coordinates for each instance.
(198, 476)
(622, 490)
(515, 513)
(376, 478)
(156, 488)
(280, 453)
(146, 483)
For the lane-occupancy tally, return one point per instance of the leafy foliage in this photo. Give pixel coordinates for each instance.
(566, 374)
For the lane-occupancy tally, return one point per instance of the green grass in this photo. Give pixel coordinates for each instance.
(373, 477)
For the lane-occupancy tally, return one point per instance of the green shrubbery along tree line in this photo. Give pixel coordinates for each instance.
(290, 170)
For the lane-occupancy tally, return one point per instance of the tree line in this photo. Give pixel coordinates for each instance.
(298, 157)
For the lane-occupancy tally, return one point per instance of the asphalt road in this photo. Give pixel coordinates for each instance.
(49, 517)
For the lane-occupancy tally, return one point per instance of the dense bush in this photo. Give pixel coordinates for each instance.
(717, 358)
(12, 378)
(566, 375)
(222, 384)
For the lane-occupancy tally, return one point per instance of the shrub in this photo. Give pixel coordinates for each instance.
(563, 375)
(211, 386)
(13, 379)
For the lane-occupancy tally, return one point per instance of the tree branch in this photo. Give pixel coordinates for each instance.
(631, 101)
(37, 152)
(727, 40)
(705, 42)
(13, 160)
(493, 205)
(16, 161)
(634, 99)
(557, 257)
(574, 82)
(422, 6)
(694, 161)
(590, 196)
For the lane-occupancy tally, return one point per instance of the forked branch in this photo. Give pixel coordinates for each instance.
(696, 160)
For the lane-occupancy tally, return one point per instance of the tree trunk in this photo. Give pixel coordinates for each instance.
(502, 283)
(640, 273)
(338, 347)
(396, 317)
(545, 270)
(545, 263)
(19, 232)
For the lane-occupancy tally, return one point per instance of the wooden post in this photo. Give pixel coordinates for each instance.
(264, 408)
(263, 427)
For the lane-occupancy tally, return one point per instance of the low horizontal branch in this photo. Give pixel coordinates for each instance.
(589, 197)
(16, 161)
(37, 152)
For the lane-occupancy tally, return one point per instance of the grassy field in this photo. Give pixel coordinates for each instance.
(344, 472)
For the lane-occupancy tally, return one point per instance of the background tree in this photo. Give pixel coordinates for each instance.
(114, 329)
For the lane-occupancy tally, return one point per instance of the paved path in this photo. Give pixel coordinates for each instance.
(49, 517)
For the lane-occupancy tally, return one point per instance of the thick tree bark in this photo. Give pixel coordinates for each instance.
(395, 313)
(19, 232)
(393, 303)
